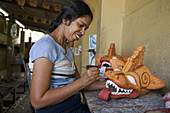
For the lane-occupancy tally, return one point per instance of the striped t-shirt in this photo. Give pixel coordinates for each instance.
(63, 70)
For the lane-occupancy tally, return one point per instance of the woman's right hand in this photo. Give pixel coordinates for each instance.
(91, 75)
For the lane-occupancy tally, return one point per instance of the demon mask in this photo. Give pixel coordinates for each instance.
(126, 76)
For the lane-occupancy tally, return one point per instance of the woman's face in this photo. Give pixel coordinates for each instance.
(77, 28)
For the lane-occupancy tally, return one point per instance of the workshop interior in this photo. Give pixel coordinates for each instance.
(127, 40)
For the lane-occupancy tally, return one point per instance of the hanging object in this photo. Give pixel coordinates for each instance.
(46, 4)
(16, 14)
(35, 19)
(21, 2)
(9, 12)
(50, 21)
(57, 7)
(33, 3)
(43, 20)
(25, 17)
(14, 30)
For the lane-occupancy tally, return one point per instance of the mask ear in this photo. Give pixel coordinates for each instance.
(155, 82)
(98, 59)
(125, 59)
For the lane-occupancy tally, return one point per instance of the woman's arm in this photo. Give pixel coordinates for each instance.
(97, 85)
(40, 94)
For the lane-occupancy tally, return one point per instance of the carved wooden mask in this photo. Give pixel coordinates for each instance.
(127, 76)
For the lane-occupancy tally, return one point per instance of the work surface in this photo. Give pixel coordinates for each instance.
(123, 105)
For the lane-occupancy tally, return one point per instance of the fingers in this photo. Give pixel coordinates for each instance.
(101, 77)
(93, 70)
(93, 73)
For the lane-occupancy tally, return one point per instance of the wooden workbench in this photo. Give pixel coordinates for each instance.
(123, 105)
(10, 88)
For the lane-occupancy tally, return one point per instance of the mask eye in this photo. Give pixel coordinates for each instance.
(106, 64)
(131, 79)
(114, 58)
(116, 69)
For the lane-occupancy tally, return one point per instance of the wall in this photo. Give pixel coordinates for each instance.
(110, 25)
(107, 24)
(93, 4)
(146, 23)
(3, 42)
(77, 57)
(130, 23)
(6, 59)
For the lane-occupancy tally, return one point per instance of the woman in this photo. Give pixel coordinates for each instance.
(55, 81)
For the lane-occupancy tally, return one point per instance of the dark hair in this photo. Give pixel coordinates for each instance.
(71, 11)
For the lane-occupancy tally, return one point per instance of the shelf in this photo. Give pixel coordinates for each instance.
(3, 45)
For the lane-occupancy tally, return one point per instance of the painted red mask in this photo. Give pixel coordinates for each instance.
(127, 76)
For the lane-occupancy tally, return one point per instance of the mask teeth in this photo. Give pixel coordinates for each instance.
(119, 91)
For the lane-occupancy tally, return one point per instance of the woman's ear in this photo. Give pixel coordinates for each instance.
(66, 22)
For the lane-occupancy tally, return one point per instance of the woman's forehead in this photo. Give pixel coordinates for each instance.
(86, 20)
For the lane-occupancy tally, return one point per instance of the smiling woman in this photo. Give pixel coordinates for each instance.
(56, 83)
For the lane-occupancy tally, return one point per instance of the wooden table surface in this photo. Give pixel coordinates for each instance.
(123, 105)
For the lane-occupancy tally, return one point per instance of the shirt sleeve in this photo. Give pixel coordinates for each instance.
(43, 48)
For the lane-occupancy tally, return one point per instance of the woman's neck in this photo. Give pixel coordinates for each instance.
(58, 36)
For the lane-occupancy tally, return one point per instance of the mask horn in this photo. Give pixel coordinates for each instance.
(98, 59)
(155, 82)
